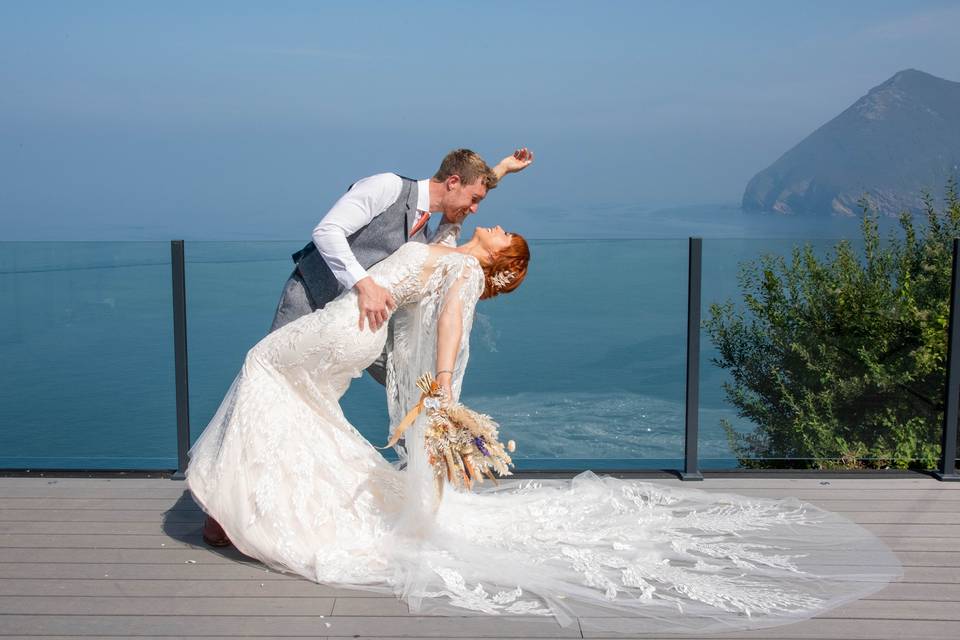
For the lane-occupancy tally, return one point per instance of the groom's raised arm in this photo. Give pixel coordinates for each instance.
(517, 161)
(447, 233)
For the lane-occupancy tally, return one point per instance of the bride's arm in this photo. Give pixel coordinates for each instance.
(449, 332)
(450, 320)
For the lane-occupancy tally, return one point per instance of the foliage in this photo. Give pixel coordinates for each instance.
(841, 360)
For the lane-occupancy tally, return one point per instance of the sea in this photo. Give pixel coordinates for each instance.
(584, 366)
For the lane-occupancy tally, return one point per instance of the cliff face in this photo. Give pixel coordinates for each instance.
(900, 139)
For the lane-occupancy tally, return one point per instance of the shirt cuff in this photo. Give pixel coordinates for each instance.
(353, 274)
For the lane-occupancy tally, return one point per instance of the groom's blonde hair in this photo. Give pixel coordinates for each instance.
(469, 166)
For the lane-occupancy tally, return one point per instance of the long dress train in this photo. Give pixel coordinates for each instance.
(296, 486)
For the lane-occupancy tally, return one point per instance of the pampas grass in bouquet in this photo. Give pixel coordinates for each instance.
(462, 445)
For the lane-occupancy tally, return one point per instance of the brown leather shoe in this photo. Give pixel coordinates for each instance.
(213, 534)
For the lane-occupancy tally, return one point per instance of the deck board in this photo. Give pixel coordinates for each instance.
(192, 540)
(122, 557)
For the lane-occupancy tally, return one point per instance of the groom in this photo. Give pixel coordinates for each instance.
(370, 221)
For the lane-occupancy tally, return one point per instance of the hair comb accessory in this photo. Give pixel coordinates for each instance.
(502, 278)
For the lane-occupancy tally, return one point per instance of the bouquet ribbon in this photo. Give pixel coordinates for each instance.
(412, 414)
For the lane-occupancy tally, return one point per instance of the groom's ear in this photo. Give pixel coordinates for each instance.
(453, 181)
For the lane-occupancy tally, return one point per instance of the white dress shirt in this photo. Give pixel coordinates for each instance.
(368, 198)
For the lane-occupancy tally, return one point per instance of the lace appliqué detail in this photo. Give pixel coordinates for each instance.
(477, 598)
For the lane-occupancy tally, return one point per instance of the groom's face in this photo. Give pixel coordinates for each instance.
(462, 199)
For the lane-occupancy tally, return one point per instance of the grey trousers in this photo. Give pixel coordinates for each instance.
(295, 302)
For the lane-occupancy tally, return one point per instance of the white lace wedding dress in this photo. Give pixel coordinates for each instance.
(296, 486)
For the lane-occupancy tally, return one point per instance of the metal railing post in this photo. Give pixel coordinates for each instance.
(948, 452)
(691, 465)
(180, 355)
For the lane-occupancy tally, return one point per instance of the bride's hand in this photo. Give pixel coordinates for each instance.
(443, 379)
(518, 161)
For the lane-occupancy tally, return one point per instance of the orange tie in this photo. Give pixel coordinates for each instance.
(424, 216)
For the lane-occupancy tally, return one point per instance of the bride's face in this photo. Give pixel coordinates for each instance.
(493, 239)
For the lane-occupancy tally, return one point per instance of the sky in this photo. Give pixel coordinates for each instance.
(246, 120)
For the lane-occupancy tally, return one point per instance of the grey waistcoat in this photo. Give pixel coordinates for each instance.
(370, 244)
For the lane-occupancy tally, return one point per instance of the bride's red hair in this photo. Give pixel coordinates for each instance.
(515, 259)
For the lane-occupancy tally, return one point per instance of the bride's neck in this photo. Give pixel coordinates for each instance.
(472, 247)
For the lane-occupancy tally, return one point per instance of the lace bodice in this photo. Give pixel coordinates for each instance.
(414, 271)
(328, 342)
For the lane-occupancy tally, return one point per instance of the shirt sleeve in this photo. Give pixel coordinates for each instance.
(354, 210)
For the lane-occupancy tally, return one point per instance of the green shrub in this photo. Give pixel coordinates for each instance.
(841, 360)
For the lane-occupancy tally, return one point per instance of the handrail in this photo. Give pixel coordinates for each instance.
(946, 471)
(951, 400)
(180, 355)
(691, 462)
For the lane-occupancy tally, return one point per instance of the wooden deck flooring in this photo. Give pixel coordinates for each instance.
(98, 558)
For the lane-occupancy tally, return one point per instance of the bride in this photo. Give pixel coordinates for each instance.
(297, 487)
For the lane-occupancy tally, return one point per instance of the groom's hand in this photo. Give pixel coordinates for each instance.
(517, 161)
(375, 303)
